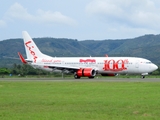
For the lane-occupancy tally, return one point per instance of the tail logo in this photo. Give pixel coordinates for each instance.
(30, 48)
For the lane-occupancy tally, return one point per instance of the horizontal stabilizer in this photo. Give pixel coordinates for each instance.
(22, 58)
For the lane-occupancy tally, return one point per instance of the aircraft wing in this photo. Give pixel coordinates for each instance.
(67, 68)
(64, 67)
(59, 67)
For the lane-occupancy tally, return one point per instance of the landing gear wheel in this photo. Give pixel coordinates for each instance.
(142, 76)
(76, 76)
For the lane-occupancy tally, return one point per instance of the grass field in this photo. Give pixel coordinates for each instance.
(73, 100)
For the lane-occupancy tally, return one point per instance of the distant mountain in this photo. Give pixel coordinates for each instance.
(147, 46)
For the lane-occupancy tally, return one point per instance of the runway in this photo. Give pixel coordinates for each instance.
(84, 79)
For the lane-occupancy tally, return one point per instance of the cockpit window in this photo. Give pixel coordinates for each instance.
(148, 62)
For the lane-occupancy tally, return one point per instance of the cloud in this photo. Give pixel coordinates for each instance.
(103, 7)
(17, 11)
(54, 17)
(134, 13)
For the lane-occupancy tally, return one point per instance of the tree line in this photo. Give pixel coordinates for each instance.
(21, 70)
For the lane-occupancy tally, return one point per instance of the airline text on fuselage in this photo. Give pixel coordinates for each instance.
(113, 65)
(87, 60)
(50, 61)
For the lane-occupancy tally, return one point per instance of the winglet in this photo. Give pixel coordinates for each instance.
(22, 58)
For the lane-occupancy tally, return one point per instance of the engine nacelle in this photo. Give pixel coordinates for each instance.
(86, 72)
(109, 74)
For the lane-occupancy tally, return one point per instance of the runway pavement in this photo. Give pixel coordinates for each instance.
(113, 79)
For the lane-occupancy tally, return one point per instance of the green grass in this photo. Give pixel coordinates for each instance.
(48, 100)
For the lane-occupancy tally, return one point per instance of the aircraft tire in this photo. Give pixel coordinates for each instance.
(142, 76)
(76, 76)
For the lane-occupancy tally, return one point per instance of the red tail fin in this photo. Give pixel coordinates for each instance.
(22, 58)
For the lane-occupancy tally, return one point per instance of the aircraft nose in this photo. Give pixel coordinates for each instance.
(154, 67)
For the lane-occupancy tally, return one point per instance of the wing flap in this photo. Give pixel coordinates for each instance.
(63, 67)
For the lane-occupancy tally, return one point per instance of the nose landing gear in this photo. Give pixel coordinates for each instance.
(143, 75)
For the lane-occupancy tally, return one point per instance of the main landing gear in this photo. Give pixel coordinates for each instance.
(142, 76)
(78, 77)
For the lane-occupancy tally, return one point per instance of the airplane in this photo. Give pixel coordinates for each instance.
(84, 66)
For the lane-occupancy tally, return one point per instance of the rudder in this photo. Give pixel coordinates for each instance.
(32, 51)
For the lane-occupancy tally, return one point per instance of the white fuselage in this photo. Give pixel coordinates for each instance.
(126, 65)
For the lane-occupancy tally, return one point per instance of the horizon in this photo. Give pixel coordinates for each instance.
(84, 39)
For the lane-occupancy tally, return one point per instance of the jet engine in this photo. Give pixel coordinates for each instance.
(85, 72)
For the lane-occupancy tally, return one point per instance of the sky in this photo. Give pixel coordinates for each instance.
(79, 19)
